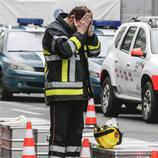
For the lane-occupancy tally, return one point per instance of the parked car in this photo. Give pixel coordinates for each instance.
(129, 73)
(21, 58)
(94, 69)
(105, 36)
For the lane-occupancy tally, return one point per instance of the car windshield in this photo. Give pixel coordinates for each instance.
(24, 41)
(154, 39)
(105, 41)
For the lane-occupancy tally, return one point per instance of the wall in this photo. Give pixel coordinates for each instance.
(10, 10)
(133, 8)
(155, 7)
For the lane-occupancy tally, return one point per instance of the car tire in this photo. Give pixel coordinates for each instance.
(149, 103)
(4, 93)
(110, 105)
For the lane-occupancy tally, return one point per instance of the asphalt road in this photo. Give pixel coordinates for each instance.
(130, 123)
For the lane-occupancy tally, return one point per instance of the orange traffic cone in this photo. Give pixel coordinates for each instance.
(154, 154)
(90, 115)
(29, 145)
(85, 151)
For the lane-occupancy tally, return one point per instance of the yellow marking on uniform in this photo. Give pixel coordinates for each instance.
(64, 92)
(76, 41)
(45, 52)
(85, 47)
(64, 70)
(94, 47)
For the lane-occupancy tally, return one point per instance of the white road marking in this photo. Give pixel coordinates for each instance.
(38, 108)
(130, 115)
(17, 104)
(24, 111)
(25, 105)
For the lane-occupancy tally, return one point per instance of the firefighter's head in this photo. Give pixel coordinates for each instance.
(76, 14)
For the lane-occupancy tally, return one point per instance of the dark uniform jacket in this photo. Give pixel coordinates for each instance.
(66, 69)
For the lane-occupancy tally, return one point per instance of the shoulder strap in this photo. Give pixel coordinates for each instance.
(58, 27)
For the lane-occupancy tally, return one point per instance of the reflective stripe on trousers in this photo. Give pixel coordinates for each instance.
(72, 151)
(67, 152)
(56, 151)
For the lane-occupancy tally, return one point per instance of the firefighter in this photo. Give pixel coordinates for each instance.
(67, 43)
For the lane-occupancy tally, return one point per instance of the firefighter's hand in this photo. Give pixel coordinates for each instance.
(83, 24)
(90, 31)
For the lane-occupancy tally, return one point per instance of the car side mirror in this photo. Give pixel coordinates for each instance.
(137, 52)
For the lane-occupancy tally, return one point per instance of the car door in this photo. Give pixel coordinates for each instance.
(123, 62)
(137, 64)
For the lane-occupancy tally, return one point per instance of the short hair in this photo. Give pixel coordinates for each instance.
(79, 12)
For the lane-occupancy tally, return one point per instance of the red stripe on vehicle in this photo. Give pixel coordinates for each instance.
(154, 79)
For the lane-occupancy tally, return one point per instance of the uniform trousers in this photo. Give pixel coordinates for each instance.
(66, 129)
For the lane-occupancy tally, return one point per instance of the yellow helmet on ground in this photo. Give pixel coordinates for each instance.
(107, 137)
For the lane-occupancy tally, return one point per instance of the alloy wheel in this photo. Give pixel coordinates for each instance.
(146, 103)
(105, 99)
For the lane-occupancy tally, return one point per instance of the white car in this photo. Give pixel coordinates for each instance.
(105, 36)
(129, 74)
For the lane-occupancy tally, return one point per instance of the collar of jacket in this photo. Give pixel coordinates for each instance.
(61, 18)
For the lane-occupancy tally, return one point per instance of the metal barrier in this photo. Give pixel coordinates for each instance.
(130, 148)
(12, 136)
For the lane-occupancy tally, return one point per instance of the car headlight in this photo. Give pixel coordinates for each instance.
(21, 67)
(94, 74)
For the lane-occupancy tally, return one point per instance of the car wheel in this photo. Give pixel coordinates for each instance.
(4, 93)
(149, 100)
(109, 104)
